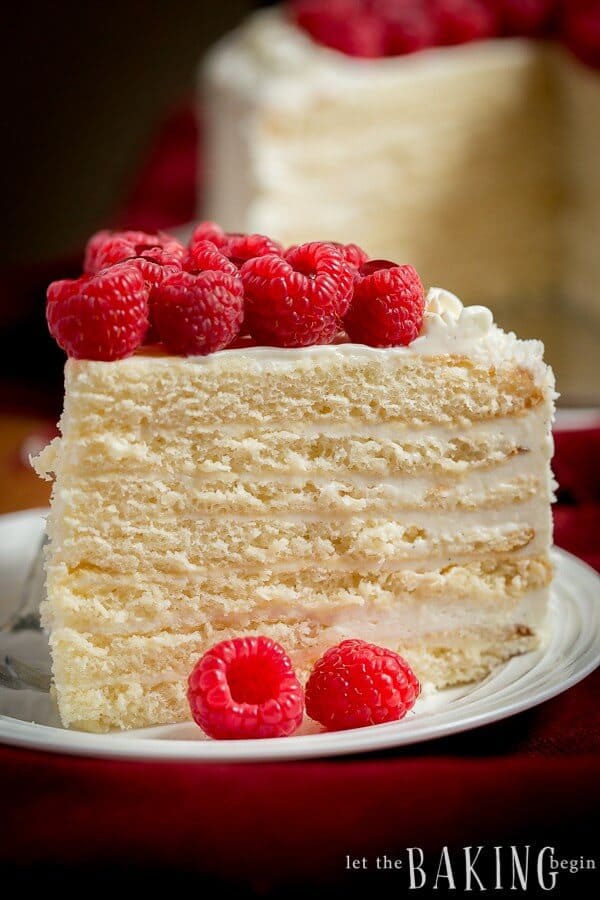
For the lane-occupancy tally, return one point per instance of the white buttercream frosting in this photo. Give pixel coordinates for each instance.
(447, 324)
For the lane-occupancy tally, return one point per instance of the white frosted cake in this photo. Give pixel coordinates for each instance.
(399, 495)
(477, 162)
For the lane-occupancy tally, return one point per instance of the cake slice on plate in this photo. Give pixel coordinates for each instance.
(399, 494)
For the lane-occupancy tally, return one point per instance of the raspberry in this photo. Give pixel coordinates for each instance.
(388, 305)
(92, 249)
(102, 316)
(198, 313)
(581, 30)
(204, 256)
(239, 248)
(354, 255)
(246, 688)
(105, 248)
(343, 26)
(459, 21)
(236, 247)
(326, 264)
(298, 300)
(408, 29)
(527, 17)
(355, 684)
(155, 265)
(208, 231)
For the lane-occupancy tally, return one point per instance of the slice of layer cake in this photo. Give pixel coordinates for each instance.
(491, 142)
(400, 495)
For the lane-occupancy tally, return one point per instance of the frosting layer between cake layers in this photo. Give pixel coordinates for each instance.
(398, 495)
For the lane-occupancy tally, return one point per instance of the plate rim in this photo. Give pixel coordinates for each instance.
(47, 738)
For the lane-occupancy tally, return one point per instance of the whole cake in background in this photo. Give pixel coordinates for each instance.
(306, 447)
(463, 135)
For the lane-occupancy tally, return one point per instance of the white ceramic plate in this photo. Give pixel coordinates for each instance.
(570, 652)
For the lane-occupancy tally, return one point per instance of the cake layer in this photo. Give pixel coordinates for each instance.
(89, 660)
(355, 542)
(336, 384)
(93, 601)
(447, 658)
(187, 500)
(307, 450)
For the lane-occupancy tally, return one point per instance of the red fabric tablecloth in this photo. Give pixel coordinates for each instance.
(532, 778)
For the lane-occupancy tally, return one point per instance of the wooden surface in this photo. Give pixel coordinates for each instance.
(20, 487)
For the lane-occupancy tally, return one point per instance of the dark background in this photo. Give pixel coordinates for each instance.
(87, 87)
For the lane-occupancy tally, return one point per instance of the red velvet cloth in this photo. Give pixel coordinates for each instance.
(532, 778)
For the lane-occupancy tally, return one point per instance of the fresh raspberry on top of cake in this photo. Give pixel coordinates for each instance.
(155, 265)
(460, 21)
(102, 316)
(205, 256)
(356, 684)
(408, 28)
(208, 231)
(581, 30)
(237, 247)
(242, 247)
(246, 688)
(198, 313)
(527, 17)
(330, 266)
(354, 255)
(388, 305)
(298, 300)
(105, 248)
(350, 27)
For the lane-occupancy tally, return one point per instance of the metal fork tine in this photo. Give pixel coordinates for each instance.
(27, 614)
(14, 673)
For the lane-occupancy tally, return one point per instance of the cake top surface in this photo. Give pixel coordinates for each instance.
(449, 329)
(244, 301)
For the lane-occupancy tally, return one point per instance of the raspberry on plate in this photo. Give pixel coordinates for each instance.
(246, 688)
(198, 313)
(105, 248)
(388, 305)
(102, 316)
(356, 684)
(298, 300)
